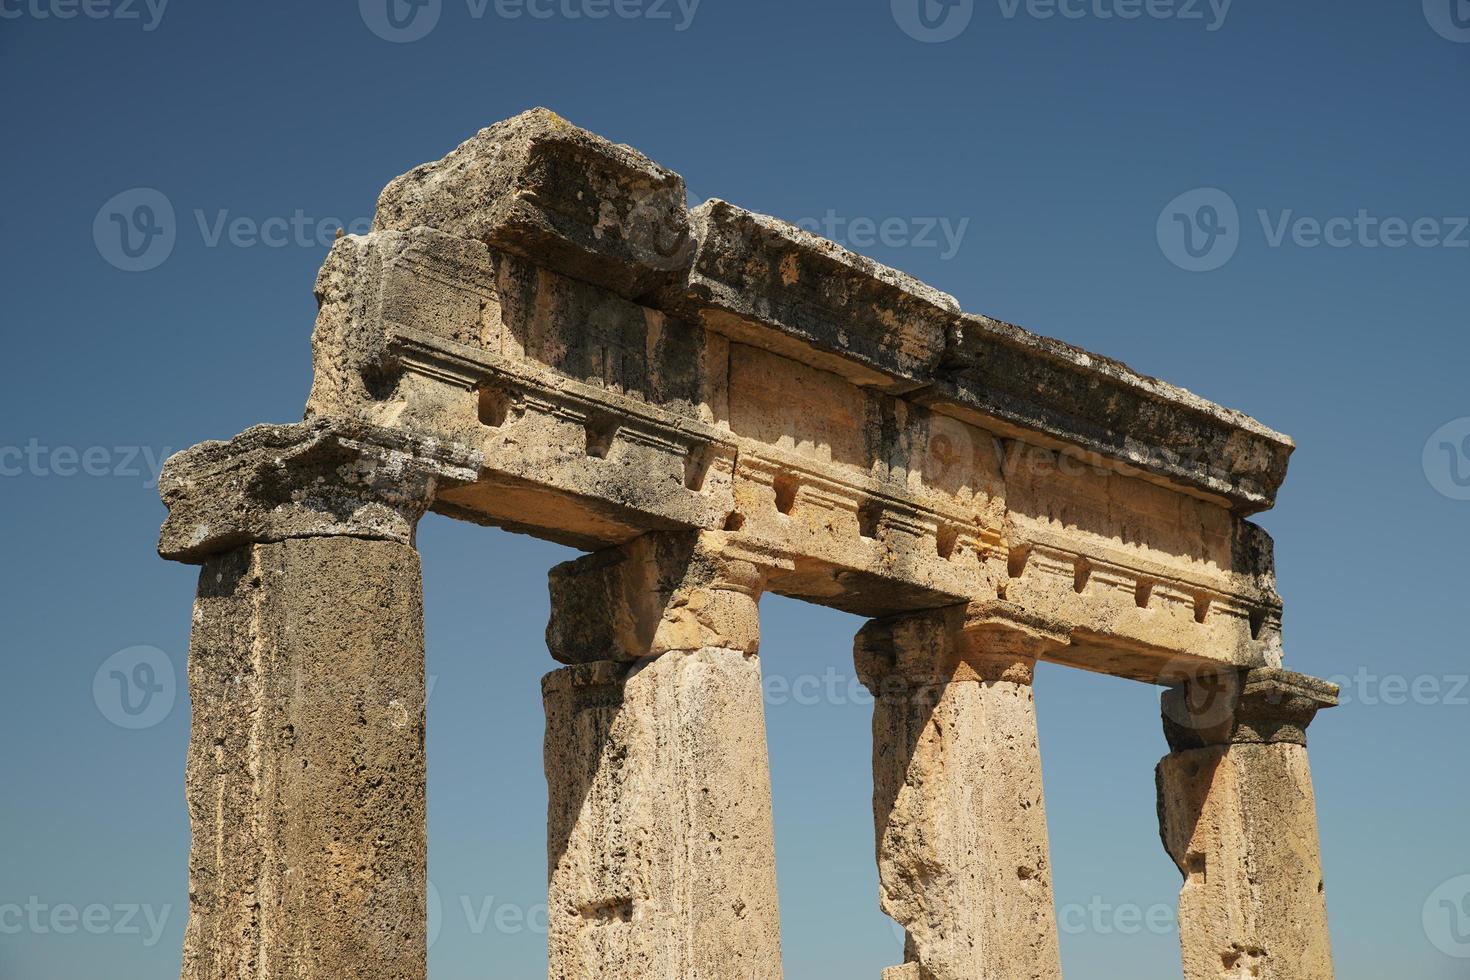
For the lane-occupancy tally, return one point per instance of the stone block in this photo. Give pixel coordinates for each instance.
(306, 776)
(1240, 821)
(963, 857)
(537, 186)
(660, 592)
(662, 861)
(767, 282)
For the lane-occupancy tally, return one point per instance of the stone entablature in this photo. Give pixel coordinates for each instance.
(539, 334)
(626, 365)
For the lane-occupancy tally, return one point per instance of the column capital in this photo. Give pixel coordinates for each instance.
(1264, 705)
(988, 640)
(319, 478)
(660, 592)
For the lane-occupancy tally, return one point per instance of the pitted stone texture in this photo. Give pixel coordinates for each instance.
(662, 862)
(540, 187)
(988, 640)
(389, 299)
(316, 478)
(371, 288)
(963, 858)
(909, 971)
(1240, 822)
(662, 591)
(1265, 705)
(769, 282)
(809, 401)
(306, 764)
(1041, 385)
(529, 339)
(592, 412)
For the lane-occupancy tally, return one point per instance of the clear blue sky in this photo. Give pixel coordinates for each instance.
(1050, 147)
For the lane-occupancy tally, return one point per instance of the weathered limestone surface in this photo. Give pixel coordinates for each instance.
(539, 334)
(306, 672)
(963, 859)
(661, 849)
(1237, 815)
(541, 187)
(773, 285)
(544, 298)
(306, 764)
(316, 478)
(658, 593)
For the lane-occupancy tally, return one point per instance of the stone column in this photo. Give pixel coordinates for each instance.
(1238, 817)
(305, 779)
(661, 855)
(963, 860)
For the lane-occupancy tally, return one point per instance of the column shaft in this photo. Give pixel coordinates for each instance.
(660, 839)
(662, 863)
(1238, 816)
(306, 774)
(963, 857)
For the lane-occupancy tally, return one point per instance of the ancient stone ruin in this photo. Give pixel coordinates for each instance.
(540, 335)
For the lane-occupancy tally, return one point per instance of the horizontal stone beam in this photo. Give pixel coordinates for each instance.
(602, 213)
(1005, 375)
(775, 285)
(541, 301)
